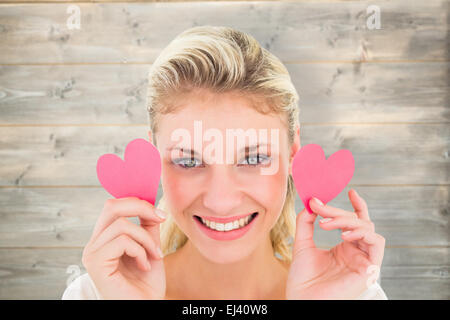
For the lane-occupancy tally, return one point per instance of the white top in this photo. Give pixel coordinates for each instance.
(83, 288)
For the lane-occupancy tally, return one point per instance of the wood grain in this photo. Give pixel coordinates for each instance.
(69, 96)
(334, 92)
(41, 273)
(304, 31)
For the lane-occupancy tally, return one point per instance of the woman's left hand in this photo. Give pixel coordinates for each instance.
(342, 272)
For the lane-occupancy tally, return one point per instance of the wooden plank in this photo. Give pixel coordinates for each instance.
(42, 273)
(416, 273)
(54, 217)
(374, 92)
(129, 1)
(36, 273)
(416, 289)
(149, 1)
(114, 94)
(334, 92)
(137, 32)
(53, 156)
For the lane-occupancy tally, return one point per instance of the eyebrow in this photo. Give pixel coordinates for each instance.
(193, 152)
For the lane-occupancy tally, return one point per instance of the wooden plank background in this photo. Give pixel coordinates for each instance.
(68, 96)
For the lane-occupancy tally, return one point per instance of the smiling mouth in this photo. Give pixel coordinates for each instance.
(229, 226)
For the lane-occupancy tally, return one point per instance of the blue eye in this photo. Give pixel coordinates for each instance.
(186, 163)
(252, 161)
(255, 160)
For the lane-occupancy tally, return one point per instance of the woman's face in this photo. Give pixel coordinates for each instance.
(206, 176)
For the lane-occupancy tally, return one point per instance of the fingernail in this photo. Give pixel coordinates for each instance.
(160, 252)
(325, 220)
(160, 213)
(346, 232)
(320, 203)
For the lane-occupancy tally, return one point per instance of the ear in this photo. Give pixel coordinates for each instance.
(294, 148)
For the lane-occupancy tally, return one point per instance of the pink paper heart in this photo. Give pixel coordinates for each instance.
(137, 176)
(315, 176)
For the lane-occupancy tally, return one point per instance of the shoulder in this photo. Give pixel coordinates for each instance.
(374, 292)
(82, 288)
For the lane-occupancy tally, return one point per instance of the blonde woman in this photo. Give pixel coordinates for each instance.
(226, 231)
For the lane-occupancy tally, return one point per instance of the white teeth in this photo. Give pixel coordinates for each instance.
(227, 226)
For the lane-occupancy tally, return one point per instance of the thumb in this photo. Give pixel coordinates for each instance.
(304, 231)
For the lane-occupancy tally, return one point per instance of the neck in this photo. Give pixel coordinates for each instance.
(259, 276)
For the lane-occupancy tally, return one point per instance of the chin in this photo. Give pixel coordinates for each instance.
(222, 253)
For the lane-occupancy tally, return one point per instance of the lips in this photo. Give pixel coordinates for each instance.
(228, 226)
(225, 220)
(224, 233)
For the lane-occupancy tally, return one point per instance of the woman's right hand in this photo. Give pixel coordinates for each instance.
(121, 257)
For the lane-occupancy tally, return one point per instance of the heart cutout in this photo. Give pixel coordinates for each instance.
(315, 176)
(137, 176)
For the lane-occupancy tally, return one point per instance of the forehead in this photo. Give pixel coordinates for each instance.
(219, 111)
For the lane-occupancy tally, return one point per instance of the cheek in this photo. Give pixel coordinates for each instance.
(175, 186)
(268, 187)
(270, 192)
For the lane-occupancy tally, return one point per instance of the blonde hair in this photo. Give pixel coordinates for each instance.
(222, 59)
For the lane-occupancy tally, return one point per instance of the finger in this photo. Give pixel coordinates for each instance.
(123, 226)
(327, 211)
(155, 234)
(119, 246)
(375, 242)
(345, 223)
(304, 231)
(359, 205)
(126, 207)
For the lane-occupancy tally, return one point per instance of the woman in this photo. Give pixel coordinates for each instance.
(227, 230)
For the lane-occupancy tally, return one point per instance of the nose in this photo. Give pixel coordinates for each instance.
(222, 194)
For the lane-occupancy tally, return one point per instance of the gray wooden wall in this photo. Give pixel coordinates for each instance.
(68, 96)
